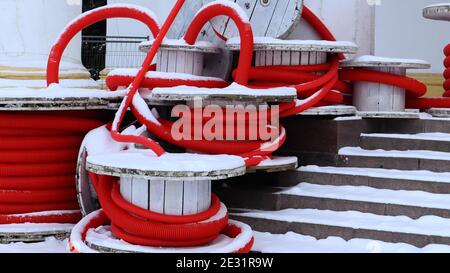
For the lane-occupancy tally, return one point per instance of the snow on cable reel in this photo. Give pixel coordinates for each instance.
(272, 18)
(306, 65)
(173, 189)
(377, 100)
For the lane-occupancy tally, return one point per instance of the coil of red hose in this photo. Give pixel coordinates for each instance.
(38, 154)
(143, 227)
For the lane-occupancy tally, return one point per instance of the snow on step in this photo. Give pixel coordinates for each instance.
(50, 245)
(368, 194)
(296, 243)
(419, 154)
(426, 225)
(416, 175)
(422, 136)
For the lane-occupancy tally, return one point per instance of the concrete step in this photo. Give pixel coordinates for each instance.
(401, 160)
(403, 142)
(348, 225)
(418, 180)
(414, 204)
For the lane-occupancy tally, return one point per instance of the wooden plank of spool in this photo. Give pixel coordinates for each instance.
(31, 234)
(388, 115)
(277, 164)
(87, 198)
(202, 58)
(266, 44)
(54, 104)
(439, 112)
(333, 110)
(165, 187)
(119, 166)
(374, 100)
(439, 12)
(170, 94)
(271, 18)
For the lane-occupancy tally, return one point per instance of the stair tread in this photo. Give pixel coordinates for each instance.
(416, 175)
(426, 225)
(422, 136)
(372, 195)
(292, 242)
(416, 154)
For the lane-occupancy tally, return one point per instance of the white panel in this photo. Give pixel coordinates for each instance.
(286, 58)
(372, 103)
(29, 29)
(190, 199)
(198, 64)
(157, 189)
(140, 193)
(172, 61)
(204, 195)
(258, 58)
(304, 58)
(313, 58)
(269, 58)
(295, 58)
(173, 198)
(277, 59)
(189, 63)
(163, 66)
(126, 188)
(181, 59)
(321, 57)
(399, 93)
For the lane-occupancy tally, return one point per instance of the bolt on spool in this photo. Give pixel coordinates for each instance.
(264, 3)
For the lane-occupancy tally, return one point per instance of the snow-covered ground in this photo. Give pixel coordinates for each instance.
(296, 243)
(269, 243)
(51, 245)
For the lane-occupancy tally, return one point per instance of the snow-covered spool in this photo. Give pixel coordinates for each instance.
(173, 184)
(164, 184)
(437, 12)
(332, 110)
(269, 51)
(101, 239)
(374, 100)
(272, 52)
(232, 95)
(175, 56)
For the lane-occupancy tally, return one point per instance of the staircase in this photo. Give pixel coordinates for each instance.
(393, 188)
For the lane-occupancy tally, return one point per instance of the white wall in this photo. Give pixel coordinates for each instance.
(128, 27)
(401, 31)
(30, 27)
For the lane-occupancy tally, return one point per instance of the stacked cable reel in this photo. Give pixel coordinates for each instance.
(151, 200)
(147, 195)
(41, 134)
(155, 201)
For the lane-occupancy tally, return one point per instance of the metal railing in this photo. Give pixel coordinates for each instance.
(103, 53)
